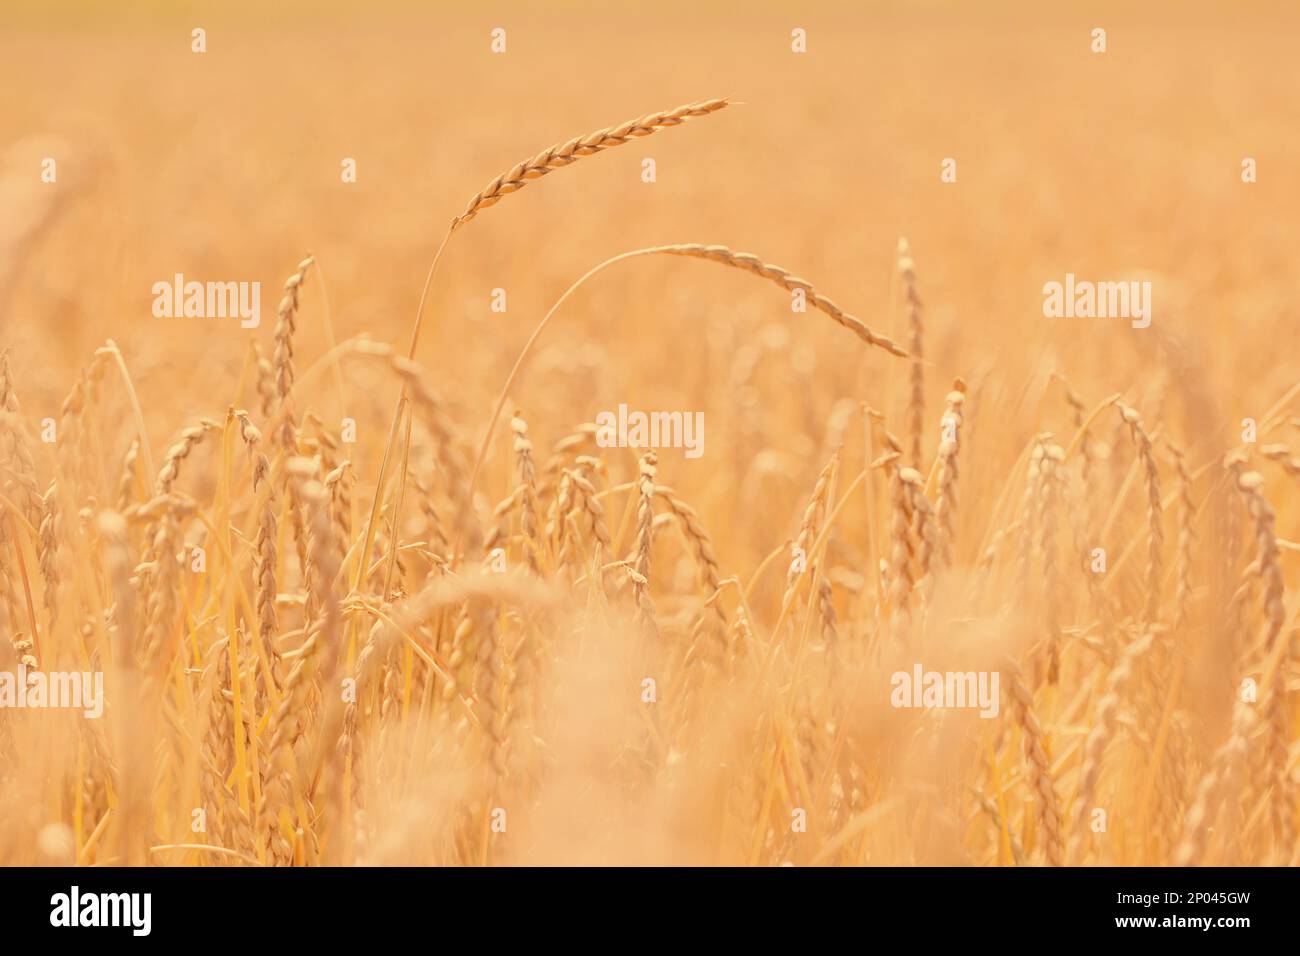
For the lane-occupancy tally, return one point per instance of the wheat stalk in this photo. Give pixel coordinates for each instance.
(286, 324)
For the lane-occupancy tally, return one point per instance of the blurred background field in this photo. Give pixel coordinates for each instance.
(226, 165)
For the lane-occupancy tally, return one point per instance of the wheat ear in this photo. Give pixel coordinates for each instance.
(286, 325)
(1050, 494)
(899, 568)
(709, 632)
(23, 474)
(526, 474)
(1037, 764)
(915, 329)
(751, 263)
(566, 154)
(316, 656)
(1155, 510)
(945, 505)
(585, 501)
(1104, 726)
(1186, 537)
(808, 529)
(265, 543)
(923, 520)
(1225, 767)
(1270, 570)
(645, 487)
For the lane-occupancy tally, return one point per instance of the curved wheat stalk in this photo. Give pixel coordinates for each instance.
(719, 254)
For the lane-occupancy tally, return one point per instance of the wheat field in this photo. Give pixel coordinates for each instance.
(369, 579)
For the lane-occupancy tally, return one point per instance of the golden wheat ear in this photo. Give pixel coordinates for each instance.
(751, 263)
(565, 154)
